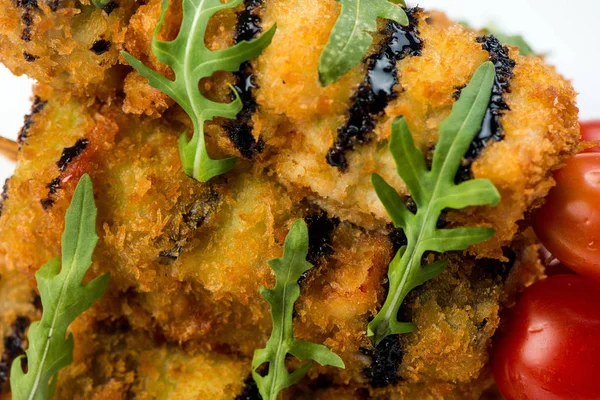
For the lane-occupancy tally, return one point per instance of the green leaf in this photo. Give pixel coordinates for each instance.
(433, 191)
(191, 60)
(64, 297)
(288, 269)
(517, 41)
(351, 35)
(100, 3)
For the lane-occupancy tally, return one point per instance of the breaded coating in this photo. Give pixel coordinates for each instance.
(183, 313)
(19, 306)
(541, 128)
(70, 44)
(187, 259)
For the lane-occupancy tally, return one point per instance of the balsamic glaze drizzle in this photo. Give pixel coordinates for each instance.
(491, 128)
(377, 89)
(240, 129)
(69, 153)
(320, 230)
(38, 106)
(386, 359)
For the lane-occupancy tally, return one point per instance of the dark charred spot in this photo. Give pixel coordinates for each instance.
(110, 7)
(386, 359)
(165, 256)
(4, 195)
(320, 230)
(457, 92)
(27, 3)
(13, 347)
(397, 238)
(38, 106)
(491, 128)
(240, 130)
(192, 220)
(29, 57)
(249, 391)
(482, 324)
(53, 4)
(26, 34)
(47, 203)
(27, 6)
(100, 47)
(52, 187)
(442, 221)
(486, 268)
(377, 89)
(69, 153)
(411, 205)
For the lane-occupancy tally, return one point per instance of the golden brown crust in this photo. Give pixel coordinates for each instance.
(183, 313)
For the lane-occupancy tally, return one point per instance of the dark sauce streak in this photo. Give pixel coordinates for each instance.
(100, 47)
(38, 106)
(4, 195)
(377, 89)
(52, 187)
(192, 219)
(27, 6)
(69, 153)
(110, 7)
(239, 130)
(491, 128)
(320, 230)
(13, 347)
(386, 359)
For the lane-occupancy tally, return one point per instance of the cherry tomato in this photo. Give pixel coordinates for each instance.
(591, 131)
(549, 348)
(569, 223)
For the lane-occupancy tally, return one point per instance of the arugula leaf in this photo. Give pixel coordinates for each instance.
(433, 191)
(100, 3)
(191, 61)
(351, 35)
(282, 297)
(64, 297)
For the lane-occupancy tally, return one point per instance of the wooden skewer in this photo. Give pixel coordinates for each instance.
(8, 148)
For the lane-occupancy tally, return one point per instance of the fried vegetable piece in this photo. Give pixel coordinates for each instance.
(19, 306)
(187, 259)
(70, 44)
(301, 119)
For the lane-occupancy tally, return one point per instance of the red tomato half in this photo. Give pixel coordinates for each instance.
(550, 347)
(591, 131)
(569, 223)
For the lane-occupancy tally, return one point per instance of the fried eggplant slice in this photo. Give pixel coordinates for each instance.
(187, 259)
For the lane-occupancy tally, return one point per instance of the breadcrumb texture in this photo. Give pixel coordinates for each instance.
(183, 314)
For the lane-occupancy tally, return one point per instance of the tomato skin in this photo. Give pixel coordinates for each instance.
(590, 131)
(550, 348)
(569, 222)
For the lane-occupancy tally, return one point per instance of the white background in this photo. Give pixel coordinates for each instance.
(568, 32)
